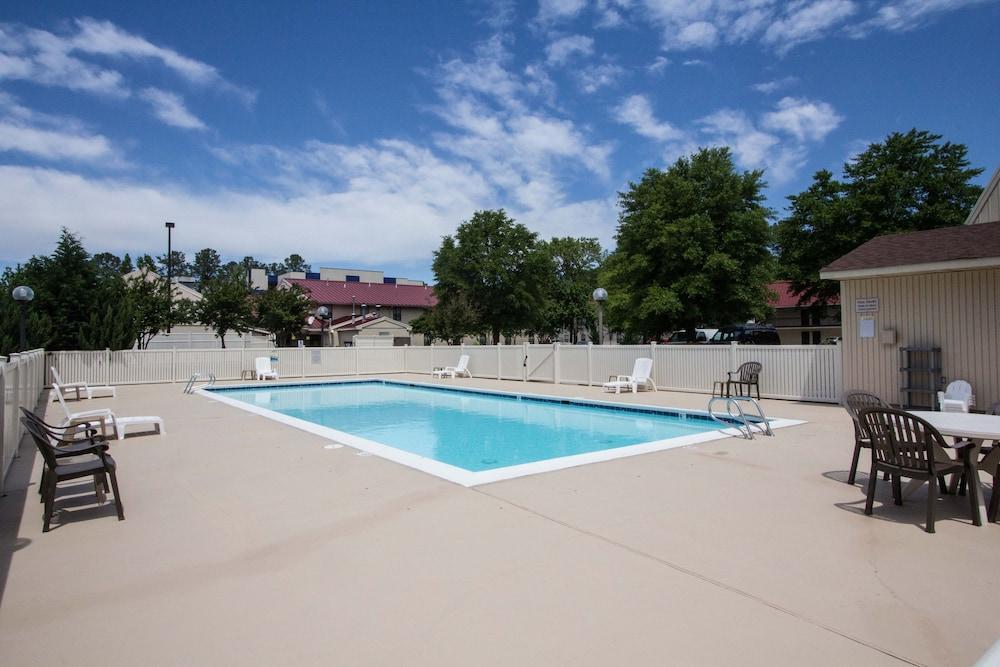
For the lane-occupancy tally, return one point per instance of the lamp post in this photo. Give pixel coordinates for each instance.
(323, 315)
(600, 296)
(170, 273)
(23, 294)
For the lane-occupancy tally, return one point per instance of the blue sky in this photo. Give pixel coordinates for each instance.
(359, 133)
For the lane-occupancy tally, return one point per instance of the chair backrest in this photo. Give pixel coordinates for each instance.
(643, 369)
(958, 390)
(855, 401)
(62, 401)
(262, 364)
(55, 375)
(749, 371)
(900, 438)
(58, 433)
(41, 439)
(463, 363)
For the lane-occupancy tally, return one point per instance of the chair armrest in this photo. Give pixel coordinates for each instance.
(82, 447)
(953, 405)
(731, 374)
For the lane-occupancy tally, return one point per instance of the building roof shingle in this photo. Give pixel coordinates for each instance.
(931, 246)
(340, 293)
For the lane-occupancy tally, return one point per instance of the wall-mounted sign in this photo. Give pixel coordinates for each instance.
(866, 304)
(866, 327)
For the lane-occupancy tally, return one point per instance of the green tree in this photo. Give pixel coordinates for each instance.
(493, 266)
(448, 321)
(110, 326)
(225, 305)
(692, 248)
(206, 265)
(574, 262)
(149, 298)
(107, 263)
(282, 312)
(178, 262)
(126, 265)
(146, 262)
(909, 182)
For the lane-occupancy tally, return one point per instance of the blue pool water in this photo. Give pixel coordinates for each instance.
(470, 430)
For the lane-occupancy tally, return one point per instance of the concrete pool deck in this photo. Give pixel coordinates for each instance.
(247, 542)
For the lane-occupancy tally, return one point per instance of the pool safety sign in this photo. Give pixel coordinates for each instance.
(866, 304)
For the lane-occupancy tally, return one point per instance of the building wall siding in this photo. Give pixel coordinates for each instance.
(987, 209)
(957, 311)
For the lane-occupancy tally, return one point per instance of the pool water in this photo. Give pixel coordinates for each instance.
(474, 431)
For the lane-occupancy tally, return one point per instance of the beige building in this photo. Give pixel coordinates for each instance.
(931, 290)
(798, 324)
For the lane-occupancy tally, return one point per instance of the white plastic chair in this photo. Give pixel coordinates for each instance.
(641, 377)
(105, 416)
(957, 397)
(106, 390)
(461, 369)
(262, 365)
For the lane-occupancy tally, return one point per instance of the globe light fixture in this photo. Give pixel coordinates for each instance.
(600, 296)
(23, 295)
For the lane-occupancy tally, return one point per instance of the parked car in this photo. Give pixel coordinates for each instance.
(681, 337)
(746, 334)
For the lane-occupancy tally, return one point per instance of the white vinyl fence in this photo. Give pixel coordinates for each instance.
(794, 372)
(22, 380)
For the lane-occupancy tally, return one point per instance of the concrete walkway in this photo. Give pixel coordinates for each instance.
(246, 542)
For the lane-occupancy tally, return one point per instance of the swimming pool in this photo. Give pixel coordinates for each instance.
(472, 436)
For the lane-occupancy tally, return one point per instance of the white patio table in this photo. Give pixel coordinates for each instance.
(972, 427)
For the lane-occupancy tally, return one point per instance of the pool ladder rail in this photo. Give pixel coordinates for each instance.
(208, 378)
(745, 424)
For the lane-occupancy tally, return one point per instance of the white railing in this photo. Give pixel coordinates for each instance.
(796, 372)
(22, 380)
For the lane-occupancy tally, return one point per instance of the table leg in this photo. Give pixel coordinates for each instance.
(970, 456)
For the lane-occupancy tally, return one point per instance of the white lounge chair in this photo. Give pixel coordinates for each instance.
(957, 397)
(641, 377)
(461, 369)
(104, 417)
(105, 390)
(262, 366)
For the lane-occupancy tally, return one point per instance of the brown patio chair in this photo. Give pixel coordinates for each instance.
(746, 376)
(58, 467)
(903, 445)
(854, 401)
(66, 440)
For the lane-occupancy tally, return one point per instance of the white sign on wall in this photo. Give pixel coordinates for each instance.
(866, 327)
(866, 304)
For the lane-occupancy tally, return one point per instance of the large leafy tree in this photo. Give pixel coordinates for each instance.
(149, 298)
(450, 321)
(282, 312)
(226, 304)
(575, 263)
(909, 182)
(177, 264)
(495, 268)
(206, 265)
(692, 248)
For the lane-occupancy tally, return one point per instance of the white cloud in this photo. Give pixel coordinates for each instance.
(637, 112)
(551, 11)
(170, 109)
(658, 65)
(48, 137)
(594, 77)
(777, 142)
(902, 15)
(694, 62)
(803, 119)
(696, 35)
(51, 59)
(774, 85)
(560, 51)
(807, 21)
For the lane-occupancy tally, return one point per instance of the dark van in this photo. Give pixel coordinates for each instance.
(746, 334)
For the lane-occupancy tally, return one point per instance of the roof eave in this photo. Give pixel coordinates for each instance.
(911, 269)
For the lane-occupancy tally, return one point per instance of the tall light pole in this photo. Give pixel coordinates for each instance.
(23, 295)
(600, 296)
(323, 315)
(170, 273)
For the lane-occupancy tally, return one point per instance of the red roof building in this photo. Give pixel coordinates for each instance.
(342, 293)
(796, 323)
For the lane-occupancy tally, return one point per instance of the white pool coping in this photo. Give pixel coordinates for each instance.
(469, 478)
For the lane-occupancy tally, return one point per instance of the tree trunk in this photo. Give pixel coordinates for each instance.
(496, 336)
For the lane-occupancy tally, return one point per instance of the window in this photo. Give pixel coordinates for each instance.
(810, 318)
(353, 279)
(812, 337)
(389, 281)
(397, 313)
